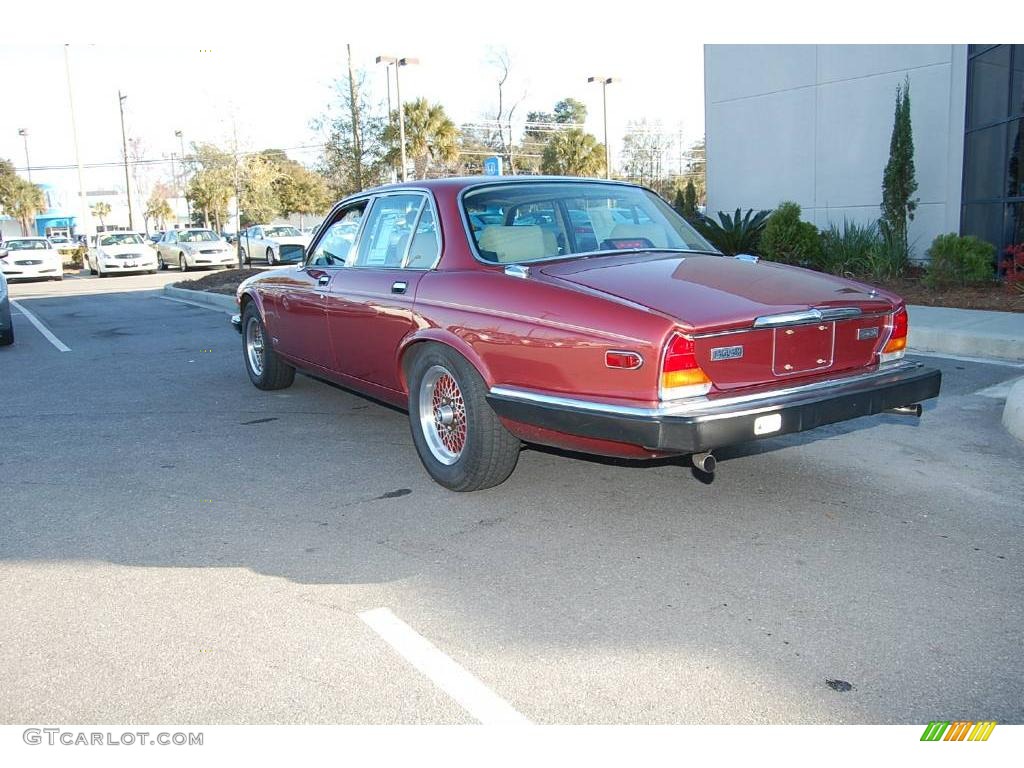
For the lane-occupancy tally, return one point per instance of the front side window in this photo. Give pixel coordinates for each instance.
(522, 222)
(332, 250)
(388, 229)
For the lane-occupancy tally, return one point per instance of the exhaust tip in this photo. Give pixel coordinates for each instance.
(705, 462)
(906, 410)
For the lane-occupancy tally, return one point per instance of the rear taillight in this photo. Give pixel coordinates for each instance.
(896, 346)
(681, 376)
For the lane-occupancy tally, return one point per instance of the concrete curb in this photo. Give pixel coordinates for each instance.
(219, 301)
(967, 332)
(1013, 412)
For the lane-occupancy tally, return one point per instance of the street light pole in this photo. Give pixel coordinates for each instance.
(387, 61)
(124, 146)
(23, 132)
(605, 82)
(83, 209)
(399, 62)
(184, 175)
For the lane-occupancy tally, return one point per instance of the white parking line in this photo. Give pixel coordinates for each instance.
(41, 328)
(475, 697)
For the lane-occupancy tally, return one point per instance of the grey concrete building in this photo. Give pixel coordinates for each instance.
(811, 123)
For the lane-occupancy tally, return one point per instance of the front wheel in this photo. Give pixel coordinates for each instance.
(265, 367)
(270, 257)
(460, 440)
(182, 263)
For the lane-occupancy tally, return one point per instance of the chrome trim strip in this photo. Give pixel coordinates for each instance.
(712, 334)
(702, 407)
(814, 315)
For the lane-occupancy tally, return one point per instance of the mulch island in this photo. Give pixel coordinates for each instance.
(219, 281)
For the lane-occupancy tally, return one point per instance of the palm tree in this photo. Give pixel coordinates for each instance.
(159, 210)
(573, 153)
(430, 136)
(100, 210)
(26, 200)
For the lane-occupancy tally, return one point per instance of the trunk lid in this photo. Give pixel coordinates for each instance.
(709, 294)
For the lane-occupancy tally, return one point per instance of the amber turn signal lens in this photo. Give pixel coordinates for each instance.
(898, 337)
(687, 378)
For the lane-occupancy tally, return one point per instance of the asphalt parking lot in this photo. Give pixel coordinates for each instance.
(178, 546)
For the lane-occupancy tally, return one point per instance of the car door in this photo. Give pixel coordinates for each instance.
(370, 303)
(299, 327)
(168, 243)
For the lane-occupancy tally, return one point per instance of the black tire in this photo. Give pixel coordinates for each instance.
(161, 263)
(270, 257)
(275, 373)
(182, 263)
(245, 257)
(7, 337)
(488, 451)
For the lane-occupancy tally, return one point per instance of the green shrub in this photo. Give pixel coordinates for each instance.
(955, 260)
(851, 251)
(790, 240)
(735, 234)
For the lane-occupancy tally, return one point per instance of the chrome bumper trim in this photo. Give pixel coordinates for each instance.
(701, 407)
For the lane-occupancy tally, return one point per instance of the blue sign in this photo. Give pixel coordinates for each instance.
(492, 166)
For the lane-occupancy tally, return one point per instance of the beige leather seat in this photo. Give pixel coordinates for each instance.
(603, 222)
(655, 233)
(514, 244)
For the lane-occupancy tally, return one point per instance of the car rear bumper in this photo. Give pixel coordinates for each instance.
(707, 424)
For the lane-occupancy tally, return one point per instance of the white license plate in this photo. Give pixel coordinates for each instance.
(765, 425)
(130, 264)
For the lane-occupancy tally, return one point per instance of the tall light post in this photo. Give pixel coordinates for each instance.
(83, 209)
(399, 62)
(184, 174)
(23, 132)
(605, 82)
(124, 146)
(387, 61)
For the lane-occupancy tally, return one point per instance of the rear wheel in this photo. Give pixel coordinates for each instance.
(265, 367)
(460, 440)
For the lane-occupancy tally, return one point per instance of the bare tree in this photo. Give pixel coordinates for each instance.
(501, 60)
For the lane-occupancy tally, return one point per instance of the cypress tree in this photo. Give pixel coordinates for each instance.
(898, 182)
(690, 201)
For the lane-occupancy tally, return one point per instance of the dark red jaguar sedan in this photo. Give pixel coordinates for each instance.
(575, 313)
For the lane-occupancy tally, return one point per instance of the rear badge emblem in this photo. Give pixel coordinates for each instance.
(867, 333)
(727, 353)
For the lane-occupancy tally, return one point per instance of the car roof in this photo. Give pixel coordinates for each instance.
(462, 182)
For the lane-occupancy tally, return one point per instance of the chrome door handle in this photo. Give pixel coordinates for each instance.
(323, 280)
(399, 286)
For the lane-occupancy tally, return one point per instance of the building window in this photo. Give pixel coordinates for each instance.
(993, 180)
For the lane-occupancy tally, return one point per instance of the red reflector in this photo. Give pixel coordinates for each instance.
(627, 360)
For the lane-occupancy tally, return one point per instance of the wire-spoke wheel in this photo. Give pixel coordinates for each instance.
(254, 344)
(443, 415)
(266, 369)
(460, 440)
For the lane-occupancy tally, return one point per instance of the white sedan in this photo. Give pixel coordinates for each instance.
(279, 244)
(188, 248)
(117, 252)
(34, 257)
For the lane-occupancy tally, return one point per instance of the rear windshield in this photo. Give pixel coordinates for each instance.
(521, 222)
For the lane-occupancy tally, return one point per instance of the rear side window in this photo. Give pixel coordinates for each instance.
(388, 231)
(426, 245)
